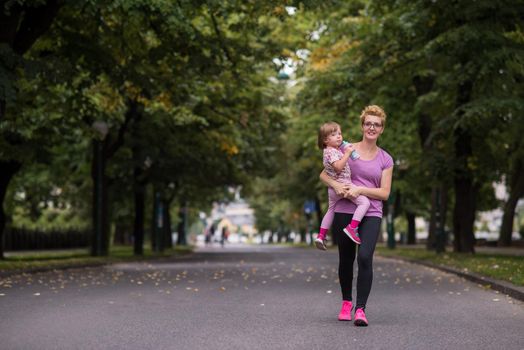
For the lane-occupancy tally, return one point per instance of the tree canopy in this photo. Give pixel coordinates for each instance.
(189, 98)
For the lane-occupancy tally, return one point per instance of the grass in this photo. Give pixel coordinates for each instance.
(81, 257)
(502, 267)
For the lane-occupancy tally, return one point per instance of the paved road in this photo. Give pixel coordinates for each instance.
(251, 298)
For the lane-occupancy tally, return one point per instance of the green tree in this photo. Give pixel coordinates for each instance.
(23, 22)
(443, 58)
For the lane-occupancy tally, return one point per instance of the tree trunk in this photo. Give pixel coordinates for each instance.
(516, 188)
(168, 238)
(99, 197)
(411, 228)
(439, 208)
(181, 229)
(430, 244)
(139, 220)
(443, 212)
(464, 215)
(154, 220)
(506, 229)
(465, 190)
(424, 85)
(103, 150)
(7, 170)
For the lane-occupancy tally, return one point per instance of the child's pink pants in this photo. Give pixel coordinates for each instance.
(362, 203)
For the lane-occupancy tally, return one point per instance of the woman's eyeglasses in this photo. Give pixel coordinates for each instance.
(368, 125)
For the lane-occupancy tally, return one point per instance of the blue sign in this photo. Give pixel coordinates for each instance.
(309, 206)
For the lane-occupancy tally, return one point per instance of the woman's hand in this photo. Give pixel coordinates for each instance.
(340, 189)
(353, 192)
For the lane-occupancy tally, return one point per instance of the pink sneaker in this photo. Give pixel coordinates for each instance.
(320, 243)
(360, 318)
(345, 311)
(352, 233)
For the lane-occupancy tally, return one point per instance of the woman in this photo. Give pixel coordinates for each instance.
(371, 177)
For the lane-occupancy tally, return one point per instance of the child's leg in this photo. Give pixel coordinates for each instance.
(351, 230)
(327, 220)
(362, 203)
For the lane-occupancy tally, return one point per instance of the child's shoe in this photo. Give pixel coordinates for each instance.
(352, 233)
(345, 311)
(360, 318)
(320, 243)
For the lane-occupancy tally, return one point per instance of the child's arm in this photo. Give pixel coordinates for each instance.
(341, 163)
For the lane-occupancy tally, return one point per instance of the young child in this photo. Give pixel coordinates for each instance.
(335, 161)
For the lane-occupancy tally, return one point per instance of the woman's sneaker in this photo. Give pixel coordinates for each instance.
(360, 318)
(345, 311)
(352, 233)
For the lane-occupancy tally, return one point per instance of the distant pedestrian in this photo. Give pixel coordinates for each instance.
(336, 154)
(207, 235)
(371, 177)
(212, 230)
(225, 234)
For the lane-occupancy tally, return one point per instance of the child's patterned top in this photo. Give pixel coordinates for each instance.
(332, 155)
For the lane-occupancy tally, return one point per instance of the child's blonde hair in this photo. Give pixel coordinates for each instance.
(374, 110)
(324, 131)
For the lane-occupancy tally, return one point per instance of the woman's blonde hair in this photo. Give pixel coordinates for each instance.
(373, 110)
(324, 131)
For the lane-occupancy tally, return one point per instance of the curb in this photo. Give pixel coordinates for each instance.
(507, 288)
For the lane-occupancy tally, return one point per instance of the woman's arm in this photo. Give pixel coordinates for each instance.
(339, 188)
(381, 193)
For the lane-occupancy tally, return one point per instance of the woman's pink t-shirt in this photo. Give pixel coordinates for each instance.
(366, 173)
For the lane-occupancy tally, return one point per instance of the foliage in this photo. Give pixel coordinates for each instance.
(189, 89)
(185, 83)
(378, 52)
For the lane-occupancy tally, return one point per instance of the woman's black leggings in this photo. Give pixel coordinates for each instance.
(369, 230)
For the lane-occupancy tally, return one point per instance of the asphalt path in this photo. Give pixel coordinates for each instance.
(258, 297)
